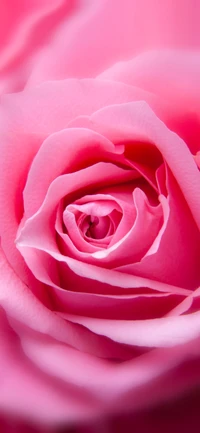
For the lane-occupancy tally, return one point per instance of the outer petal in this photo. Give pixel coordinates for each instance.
(48, 107)
(172, 75)
(14, 165)
(20, 21)
(38, 393)
(102, 36)
(163, 332)
(98, 390)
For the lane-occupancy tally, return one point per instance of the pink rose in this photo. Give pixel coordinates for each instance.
(100, 218)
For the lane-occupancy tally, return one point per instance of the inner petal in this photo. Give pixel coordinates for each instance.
(98, 227)
(96, 217)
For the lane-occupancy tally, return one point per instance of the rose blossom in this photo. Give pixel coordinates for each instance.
(99, 224)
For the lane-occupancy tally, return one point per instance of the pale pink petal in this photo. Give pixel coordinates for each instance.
(150, 71)
(49, 107)
(186, 304)
(197, 159)
(14, 166)
(173, 76)
(99, 36)
(162, 332)
(24, 29)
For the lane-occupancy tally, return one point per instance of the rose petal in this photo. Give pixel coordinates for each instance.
(38, 107)
(137, 27)
(18, 41)
(14, 165)
(125, 121)
(75, 149)
(171, 264)
(162, 332)
(97, 205)
(173, 76)
(34, 254)
(105, 381)
(64, 186)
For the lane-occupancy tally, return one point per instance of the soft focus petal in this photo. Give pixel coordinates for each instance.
(102, 36)
(49, 107)
(25, 28)
(173, 76)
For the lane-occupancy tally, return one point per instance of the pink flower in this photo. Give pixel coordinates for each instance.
(99, 212)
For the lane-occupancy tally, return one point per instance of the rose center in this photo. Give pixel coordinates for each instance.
(93, 218)
(96, 227)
